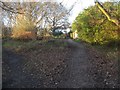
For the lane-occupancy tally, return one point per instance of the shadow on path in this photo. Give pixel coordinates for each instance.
(14, 76)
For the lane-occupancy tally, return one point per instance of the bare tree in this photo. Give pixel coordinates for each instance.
(48, 15)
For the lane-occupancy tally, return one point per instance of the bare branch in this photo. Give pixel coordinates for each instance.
(10, 9)
(72, 7)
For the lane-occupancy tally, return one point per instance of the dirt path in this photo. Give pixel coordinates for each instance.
(75, 75)
(78, 68)
(71, 66)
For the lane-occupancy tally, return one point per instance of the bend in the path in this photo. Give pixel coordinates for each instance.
(78, 68)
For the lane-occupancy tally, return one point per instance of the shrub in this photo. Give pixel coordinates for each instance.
(24, 28)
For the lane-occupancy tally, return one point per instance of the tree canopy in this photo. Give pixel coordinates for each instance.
(94, 27)
(40, 16)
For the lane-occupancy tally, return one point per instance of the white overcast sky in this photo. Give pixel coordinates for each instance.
(80, 6)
